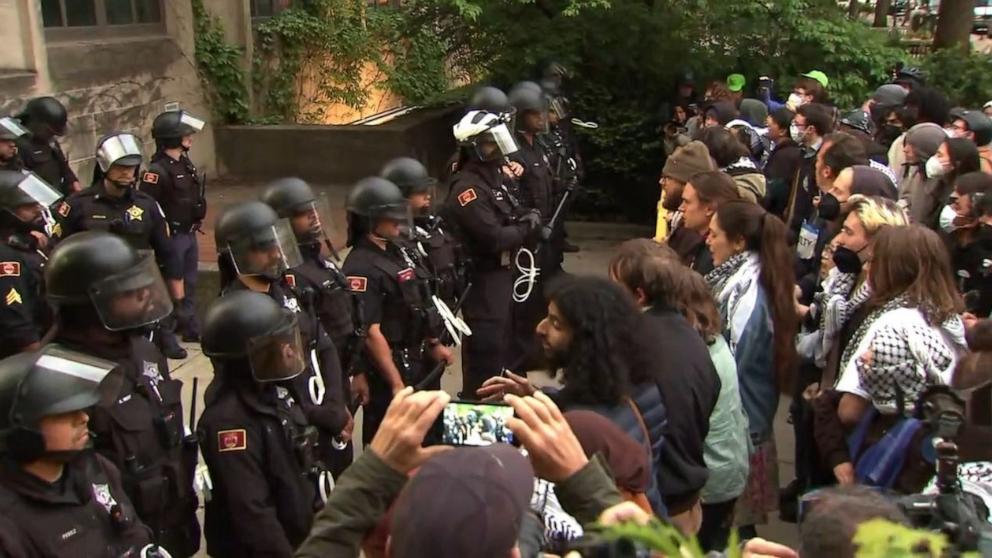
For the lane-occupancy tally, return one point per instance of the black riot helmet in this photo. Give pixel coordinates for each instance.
(246, 325)
(552, 69)
(25, 189)
(102, 271)
(11, 129)
(409, 174)
(309, 214)
(490, 99)
(49, 382)
(528, 96)
(44, 116)
(371, 200)
(256, 239)
(170, 127)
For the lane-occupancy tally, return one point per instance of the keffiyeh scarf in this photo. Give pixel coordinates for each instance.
(730, 280)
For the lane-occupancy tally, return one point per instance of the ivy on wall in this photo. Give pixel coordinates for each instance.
(219, 66)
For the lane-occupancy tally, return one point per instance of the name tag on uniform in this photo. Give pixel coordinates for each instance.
(504, 258)
(806, 246)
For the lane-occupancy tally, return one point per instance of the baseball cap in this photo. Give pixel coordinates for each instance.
(463, 502)
(736, 82)
(818, 76)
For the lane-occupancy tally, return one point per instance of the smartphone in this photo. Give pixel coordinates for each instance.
(468, 423)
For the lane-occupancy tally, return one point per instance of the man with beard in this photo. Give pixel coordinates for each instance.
(10, 132)
(687, 161)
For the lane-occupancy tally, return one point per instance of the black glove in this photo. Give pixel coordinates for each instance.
(532, 219)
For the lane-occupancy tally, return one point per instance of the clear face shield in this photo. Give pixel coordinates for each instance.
(122, 149)
(313, 221)
(132, 299)
(496, 143)
(278, 355)
(11, 128)
(92, 380)
(35, 199)
(267, 252)
(392, 222)
(195, 124)
(557, 108)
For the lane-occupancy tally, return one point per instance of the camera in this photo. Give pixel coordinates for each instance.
(467, 423)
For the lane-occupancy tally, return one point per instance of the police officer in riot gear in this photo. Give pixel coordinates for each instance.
(490, 99)
(57, 496)
(320, 283)
(538, 192)
(172, 179)
(112, 204)
(484, 219)
(24, 314)
(255, 250)
(10, 131)
(434, 245)
(46, 119)
(402, 325)
(563, 155)
(255, 436)
(106, 293)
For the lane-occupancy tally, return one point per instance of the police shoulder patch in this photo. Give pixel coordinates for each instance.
(150, 177)
(10, 269)
(232, 440)
(64, 209)
(467, 197)
(290, 279)
(357, 284)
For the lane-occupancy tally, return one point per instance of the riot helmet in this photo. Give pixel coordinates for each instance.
(557, 103)
(552, 69)
(44, 117)
(256, 240)
(11, 129)
(118, 156)
(309, 214)
(530, 103)
(101, 270)
(910, 76)
(858, 120)
(373, 200)
(485, 136)
(245, 325)
(170, 127)
(490, 99)
(25, 200)
(413, 180)
(53, 381)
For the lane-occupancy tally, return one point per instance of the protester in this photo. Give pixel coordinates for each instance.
(701, 197)
(810, 88)
(686, 162)
(781, 161)
(893, 134)
(861, 179)
(858, 123)
(683, 372)
(480, 486)
(719, 114)
(830, 526)
(970, 240)
(918, 187)
(977, 127)
(811, 124)
(653, 273)
(734, 158)
(753, 286)
(954, 158)
(593, 339)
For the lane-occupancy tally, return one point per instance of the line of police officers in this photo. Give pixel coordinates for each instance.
(297, 343)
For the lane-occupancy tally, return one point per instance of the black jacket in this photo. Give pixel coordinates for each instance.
(689, 388)
(779, 172)
(85, 513)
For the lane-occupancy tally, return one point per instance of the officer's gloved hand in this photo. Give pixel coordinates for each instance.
(532, 219)
(154, 551)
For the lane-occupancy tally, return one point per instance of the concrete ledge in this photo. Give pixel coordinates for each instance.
(335, 154)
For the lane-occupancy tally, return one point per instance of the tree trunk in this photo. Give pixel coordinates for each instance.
(852, 9)
(954, 24)
(882, 13)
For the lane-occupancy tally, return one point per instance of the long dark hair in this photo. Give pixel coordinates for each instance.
(605, 323)
(765, 234)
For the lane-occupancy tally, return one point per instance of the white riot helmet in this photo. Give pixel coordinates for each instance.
(486, 134)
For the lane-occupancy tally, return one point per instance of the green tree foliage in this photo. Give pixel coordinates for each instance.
(965, 78)
(219, 66)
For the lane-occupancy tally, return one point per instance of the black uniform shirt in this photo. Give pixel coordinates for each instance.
(84, 513)
(48, 161)
(536, 184)
(332, 301)
(177, 187)
(23, 312)
(135, 216)
(263, 500)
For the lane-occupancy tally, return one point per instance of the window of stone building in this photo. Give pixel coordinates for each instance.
(82, 19)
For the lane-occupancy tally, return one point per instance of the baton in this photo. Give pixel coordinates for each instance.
(548, 229)
(438, 369)
(192, 406)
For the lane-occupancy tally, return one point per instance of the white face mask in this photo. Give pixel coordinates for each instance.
(795, 133)
(935, 168)
(947, 217)
(795, 100)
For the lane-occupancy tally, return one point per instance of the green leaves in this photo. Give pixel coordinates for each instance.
(965, 78)
(219, 66)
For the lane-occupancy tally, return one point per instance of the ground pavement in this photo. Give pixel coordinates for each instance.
(596, 240)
